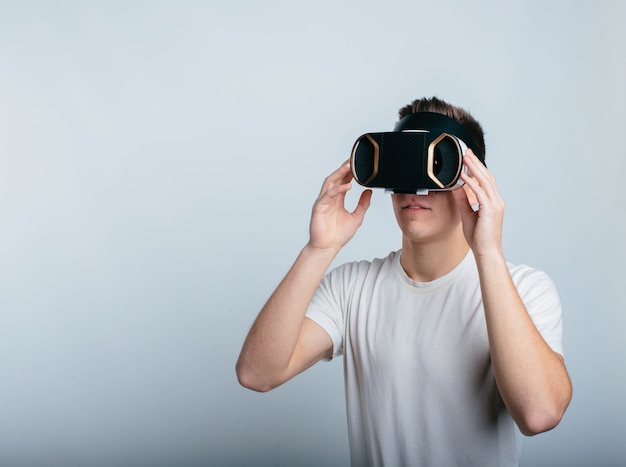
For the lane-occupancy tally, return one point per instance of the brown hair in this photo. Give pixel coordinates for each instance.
(462, 116)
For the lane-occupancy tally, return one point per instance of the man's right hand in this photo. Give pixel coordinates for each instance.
(282, 341)
(332, 226)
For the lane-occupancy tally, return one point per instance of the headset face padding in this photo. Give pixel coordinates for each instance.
(423, 153)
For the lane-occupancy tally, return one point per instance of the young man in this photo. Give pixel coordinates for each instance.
(450, 352)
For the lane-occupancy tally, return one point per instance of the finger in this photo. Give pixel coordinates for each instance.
(479, 172)
(483, 184)
(363, 205)
(463, 202)
(478, 169)
(334, 194)
(481, 198)
(471, 159)
(339, 190)
(471, 196)
(472, 183)
(340, 176)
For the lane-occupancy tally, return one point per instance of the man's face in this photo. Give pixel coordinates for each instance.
(426, 217)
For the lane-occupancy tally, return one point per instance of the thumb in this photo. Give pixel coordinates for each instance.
(363, 205)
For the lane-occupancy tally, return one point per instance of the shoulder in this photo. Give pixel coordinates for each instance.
(358, 273)
(541, 298)
(525, 276)
(365, 266)
(536, 288)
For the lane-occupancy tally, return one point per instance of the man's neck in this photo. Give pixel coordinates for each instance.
(427, 261)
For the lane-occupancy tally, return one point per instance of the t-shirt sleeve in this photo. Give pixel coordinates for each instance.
(541, 298)
(327, 305)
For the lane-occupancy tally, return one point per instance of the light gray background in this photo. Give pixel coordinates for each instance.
(159, 160)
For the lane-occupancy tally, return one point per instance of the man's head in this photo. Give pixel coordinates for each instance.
(435, 216)
(424, 152)
(462, 116)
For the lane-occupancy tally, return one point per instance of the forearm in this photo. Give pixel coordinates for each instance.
(281, 342)
(266, 356)
(531, 377)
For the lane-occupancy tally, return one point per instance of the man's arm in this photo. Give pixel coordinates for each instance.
(282, 341)
(531, 377)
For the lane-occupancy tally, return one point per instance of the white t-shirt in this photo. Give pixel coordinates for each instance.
(420, 389)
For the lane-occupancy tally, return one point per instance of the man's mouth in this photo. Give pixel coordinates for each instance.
(414, 206)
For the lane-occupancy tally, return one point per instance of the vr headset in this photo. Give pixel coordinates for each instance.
(423, 153)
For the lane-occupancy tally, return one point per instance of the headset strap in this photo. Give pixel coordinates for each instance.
(439, 123)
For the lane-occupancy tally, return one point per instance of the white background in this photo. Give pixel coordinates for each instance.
(158, 163)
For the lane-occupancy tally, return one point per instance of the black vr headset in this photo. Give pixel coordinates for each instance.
(423, 153)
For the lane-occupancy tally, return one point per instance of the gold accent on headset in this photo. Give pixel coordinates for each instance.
(431, 160)
(376, 154)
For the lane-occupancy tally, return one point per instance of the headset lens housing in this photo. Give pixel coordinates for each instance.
(445, 160)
